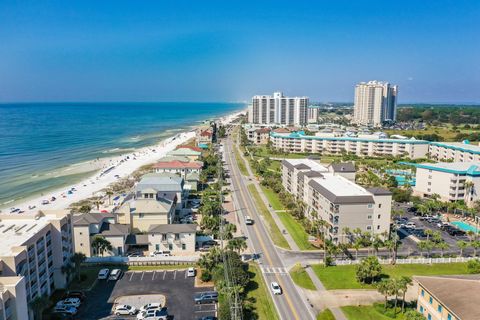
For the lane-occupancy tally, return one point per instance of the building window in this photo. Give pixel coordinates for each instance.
(369, 227)
(378, 217)
(429, 317)
(431, 300)
(157, 247)
(378, 227)
(423, 293)
(379, 205)
(369, 217)
(439, 309)
(140, 215)
(369, 205)
(81, 233)
(184, 246)
(170, 247)
(449, 317)
(177, 236)
(421, 309)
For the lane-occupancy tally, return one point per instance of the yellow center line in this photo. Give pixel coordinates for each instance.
(262, 244)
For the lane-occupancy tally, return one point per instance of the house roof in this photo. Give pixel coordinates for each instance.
(343, 167)
(179, 165)
(172, 228)
(114, 229)
(160, 205)
(137, 239)
(379, 191)
(172, 158)
(339, 190)
(205, 133)
(160, 182)
(184, 152)
(281, 130)
(459, 294)
(263, 130)
(86, 219)
(189, 147)
(193, 176)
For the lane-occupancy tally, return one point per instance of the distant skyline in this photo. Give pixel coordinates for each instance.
(60, 51)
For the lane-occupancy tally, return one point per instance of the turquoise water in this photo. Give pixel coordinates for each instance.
(402, 176)
(38, 139)
(464, 226)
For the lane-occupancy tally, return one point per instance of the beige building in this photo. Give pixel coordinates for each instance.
(312, 114)
(278, 109)
(375, 103)
(258, 135)
(449, 297)
(332, 197)
(298, 142)
(33, 250)
(177, 238)
(88, 225)
(454, 151)
(452, 181)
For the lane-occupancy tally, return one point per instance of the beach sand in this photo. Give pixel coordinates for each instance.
(109, 170)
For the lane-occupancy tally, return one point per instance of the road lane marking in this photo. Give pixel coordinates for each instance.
(141, 278)
(174, 274)
(267, 255)
(164, 274)
(153, 275)
(186, 271)
(131, 276)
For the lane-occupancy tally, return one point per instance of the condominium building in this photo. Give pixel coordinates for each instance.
(258, 136)
(454, 151)
(452, 181)
(334, 198)
(278, 109)
(298, 142)
(33, 250)
(375, 103)
(177, 238)
(449, 297)
(312, 114)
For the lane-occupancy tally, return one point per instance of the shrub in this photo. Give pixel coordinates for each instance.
(473, 266)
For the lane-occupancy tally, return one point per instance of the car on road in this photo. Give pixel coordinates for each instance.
(276, 289)
(65, 310)
(248, 220)
(191, 272)
(155, 314)
(103, 274)
(125, 309)
(115, 274)
(206, 297)
(151, 306)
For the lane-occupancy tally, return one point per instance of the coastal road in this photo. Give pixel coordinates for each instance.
(291, 305)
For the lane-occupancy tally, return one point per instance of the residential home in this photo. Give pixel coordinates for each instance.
(164, 182)
(449, 297)
(191, 154)
(259, 136)
(176, 238)
(86, 226)
(204, 136)
(179, 167)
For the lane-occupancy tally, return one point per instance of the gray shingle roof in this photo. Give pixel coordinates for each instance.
(343, 167)
(172, 228)
(379, 191)
(114, 229)
(90, 218)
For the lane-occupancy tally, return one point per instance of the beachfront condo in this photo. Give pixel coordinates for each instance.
(33, 250)
(452, 181)
(278, 109)
(375, 103)
(299, 142)
(88, 225)
(332, 196)
(258, 136)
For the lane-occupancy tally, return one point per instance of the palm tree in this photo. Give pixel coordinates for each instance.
(37, 305)
(475, 245)
(356, 245)
(109, 193)
(377, 243)
(77, 259)
(442, 246)
(462, 245)
(428, 233)
(422, 246)
(404, 283)
(237, 244)
(385, 288)
(97, 203)
(100, 244)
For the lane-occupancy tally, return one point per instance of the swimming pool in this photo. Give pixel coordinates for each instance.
(465, 226)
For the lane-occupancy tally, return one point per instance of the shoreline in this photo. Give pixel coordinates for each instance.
(105, 171)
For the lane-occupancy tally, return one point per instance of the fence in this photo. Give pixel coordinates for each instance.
(142, 261)
(409, 261)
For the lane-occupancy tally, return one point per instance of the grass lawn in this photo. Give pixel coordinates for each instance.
(273, 198)
(88, 276)
(273, 229)
(325, 315)
(301, 277)
(241, 164)
(367, 313)
(257, 297)
(296, 230)
(343, 277)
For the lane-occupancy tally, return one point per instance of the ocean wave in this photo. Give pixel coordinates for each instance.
(118, 150)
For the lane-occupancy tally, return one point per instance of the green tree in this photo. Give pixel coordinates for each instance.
(384, 287)
(37, 306)
(77, 259)
(403, 285)
(237, 245)
(462, 245)
(475, 245)
(473, 266)
(442, 246)
(101, 245)
(85, 208)
(413, 315)
(368, 270)
(109, 194)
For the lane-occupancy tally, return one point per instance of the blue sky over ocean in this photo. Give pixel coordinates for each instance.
(230, 50)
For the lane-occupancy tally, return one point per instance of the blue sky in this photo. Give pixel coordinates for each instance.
(226, 50)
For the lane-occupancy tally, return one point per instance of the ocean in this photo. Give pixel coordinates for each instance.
(38, 141)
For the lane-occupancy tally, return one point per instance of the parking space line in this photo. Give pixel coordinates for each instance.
(175, 275)
(131, 276)
(153, 275)
(141, 278)
(164, 274)
(186, 274)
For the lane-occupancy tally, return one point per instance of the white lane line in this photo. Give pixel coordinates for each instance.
(141, 278)
(185, 274)
(164, 274)
(153, 275)
(131, 276)
(175, 275)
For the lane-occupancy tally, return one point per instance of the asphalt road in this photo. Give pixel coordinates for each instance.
(291, 304)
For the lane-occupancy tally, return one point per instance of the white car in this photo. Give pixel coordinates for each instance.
(410, 225)
(276, 289)
(151, 306)
(154, 314)
(248, 220)
(191, 272)
(103, 274)
(65, 310)
(160, 254)
(115, 274)
(125, 309)
(69, 302)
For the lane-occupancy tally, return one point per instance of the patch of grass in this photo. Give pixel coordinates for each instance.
(258, 300)
(374, 312)
(88, 275)
(296, 230)
(241, 164)
(343, 277)
(326, 315)
(301, 277)
(277, 237)
(273, 198)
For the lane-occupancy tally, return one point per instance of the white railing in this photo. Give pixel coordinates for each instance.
(409, 261)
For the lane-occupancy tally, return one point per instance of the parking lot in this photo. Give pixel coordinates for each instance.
(178, 289)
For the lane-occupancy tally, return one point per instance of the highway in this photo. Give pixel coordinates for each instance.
(291, 304)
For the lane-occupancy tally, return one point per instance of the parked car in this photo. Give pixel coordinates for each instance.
(75, 294)
(151, 306)
(410, 225)
(103, 274)
(65, 310)
(191, 272)
(69, 302)
(115, 274)
(276, 289)
(155, 314)
(125, 309)
(206, 297)
(135, 255)
(160, 253)
(208, 318)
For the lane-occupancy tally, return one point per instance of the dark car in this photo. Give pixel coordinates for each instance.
(75, 294)
(208, 318)
(206, 297)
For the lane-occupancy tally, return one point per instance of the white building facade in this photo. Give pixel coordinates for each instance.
(375, 103)
(278, 109)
